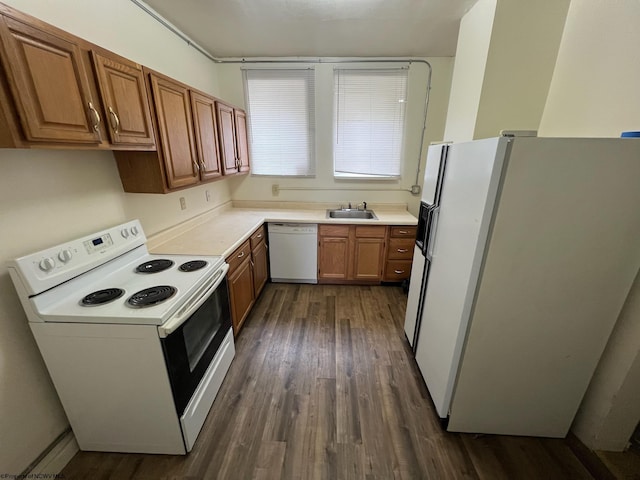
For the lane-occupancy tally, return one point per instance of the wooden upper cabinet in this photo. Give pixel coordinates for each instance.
(226, 127)
(175, 127)
(50, 86)
(242, 146)
(125, 102)
(205, 124)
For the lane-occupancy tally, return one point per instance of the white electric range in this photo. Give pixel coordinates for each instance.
(137, 345)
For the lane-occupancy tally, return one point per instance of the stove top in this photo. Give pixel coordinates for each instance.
(108, 277)
(117, 292)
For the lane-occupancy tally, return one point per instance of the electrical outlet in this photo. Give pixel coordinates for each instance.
(183, 203)
(207, 194)
(275, 189)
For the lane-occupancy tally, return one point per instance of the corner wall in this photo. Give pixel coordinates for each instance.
(469, 70)
(504, 64)
(594, 93)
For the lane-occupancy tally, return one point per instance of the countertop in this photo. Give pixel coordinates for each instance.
(222, 230)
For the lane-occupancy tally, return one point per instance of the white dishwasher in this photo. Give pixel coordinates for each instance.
(293, 252)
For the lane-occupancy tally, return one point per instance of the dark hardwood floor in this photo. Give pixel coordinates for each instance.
(324, 386)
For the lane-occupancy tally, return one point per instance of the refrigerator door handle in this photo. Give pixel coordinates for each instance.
(435, 215)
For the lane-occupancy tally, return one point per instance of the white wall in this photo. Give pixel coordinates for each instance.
(522, 55)
(594, 93)
(332, 190)
(468, 71)
(504, 63)
(49, 196)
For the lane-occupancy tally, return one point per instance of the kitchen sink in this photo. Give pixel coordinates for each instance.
(352, 213)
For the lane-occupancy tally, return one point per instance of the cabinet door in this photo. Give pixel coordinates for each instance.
(226, 127)
(206, 131)
(125, 101)
(241, 141)
(368, 258)
(260, 267)
(50, 86)
(241, 294)
(173, 110)
(333, 258)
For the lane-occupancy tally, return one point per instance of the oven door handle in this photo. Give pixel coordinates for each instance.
(193, 303)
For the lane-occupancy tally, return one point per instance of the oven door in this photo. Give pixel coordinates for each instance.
(190, 344)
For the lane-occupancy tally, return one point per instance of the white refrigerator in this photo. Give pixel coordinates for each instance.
(528, 254)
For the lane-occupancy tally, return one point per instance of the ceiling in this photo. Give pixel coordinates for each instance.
(319, 28)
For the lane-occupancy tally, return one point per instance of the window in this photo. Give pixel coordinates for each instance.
(281, 121)
(369, 111)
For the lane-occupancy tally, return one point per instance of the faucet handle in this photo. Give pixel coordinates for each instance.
(364, 205)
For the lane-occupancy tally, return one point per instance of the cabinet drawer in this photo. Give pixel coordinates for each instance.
(397, 270)
(371, 231)
(403, 232)
(333, 230)
(257, 237)
(242, 253)
(400, 249)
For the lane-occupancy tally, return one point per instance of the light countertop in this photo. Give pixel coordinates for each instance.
(221, 231)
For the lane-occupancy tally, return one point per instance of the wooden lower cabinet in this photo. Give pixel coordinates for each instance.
(259, 260)
(368, 258)
(399, 255)
(241, 290)
(333, 253)
(248, 274)
(351, 253)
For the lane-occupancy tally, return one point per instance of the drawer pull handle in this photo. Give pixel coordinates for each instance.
(402, 250)
(241, 255)
(398, 272)
(259, 235)
(402, 232)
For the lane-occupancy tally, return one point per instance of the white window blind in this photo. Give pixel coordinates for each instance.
(369, 112)
(281, 115)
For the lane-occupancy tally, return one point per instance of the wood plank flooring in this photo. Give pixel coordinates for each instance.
(324, 386)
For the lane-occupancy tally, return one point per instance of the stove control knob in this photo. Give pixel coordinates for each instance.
(135, 231)
(65, 255)
(47, 264)
(125, 233)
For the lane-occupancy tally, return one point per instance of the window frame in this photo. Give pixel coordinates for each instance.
(308, 73)
(400, 141)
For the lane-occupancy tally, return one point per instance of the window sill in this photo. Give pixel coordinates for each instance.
(353, 176)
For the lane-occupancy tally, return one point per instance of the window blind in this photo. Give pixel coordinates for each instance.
(369, 115)
(281, 108)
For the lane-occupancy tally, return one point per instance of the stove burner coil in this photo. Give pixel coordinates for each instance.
(101, 297)
(154, 266)
(151, 296)
(192, 266)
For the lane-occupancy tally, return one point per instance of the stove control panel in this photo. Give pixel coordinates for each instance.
(98, 244)
(42, 270)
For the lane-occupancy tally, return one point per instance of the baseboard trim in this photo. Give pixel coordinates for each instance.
(59, 454)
